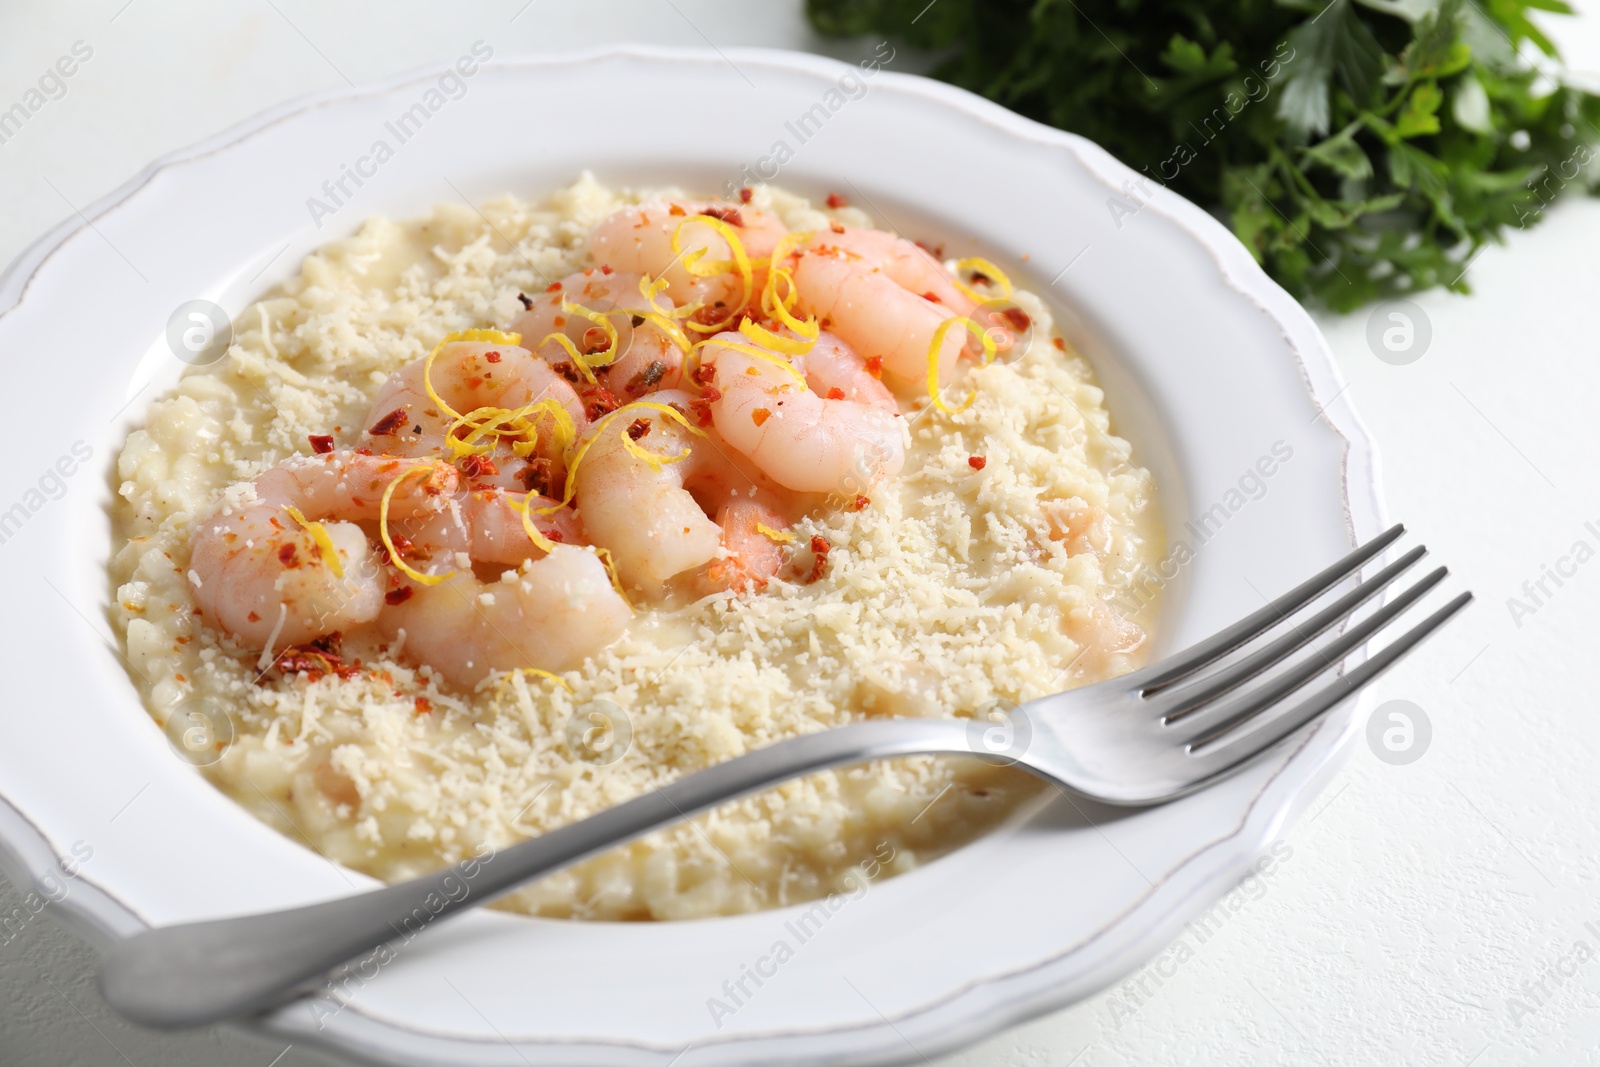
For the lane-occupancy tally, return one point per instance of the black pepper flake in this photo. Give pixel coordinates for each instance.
(648, 378)
(536, 477)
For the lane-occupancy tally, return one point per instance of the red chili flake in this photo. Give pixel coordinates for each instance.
(1059, 343)
(706, 316)
(526, 301)
(474, 466)
(535, 477)
(605, 269)
(638, 428)
(599, 401)
(647, 379)
(760, 416)
(398, 596)
(705, 374)
(424, 705)
(675, 211)
(1016, 318)
(730, 215)
(836, 393)
(745, 194)
(702, 406)
(403, 547)
(286, 555)
(819, 557)
(936, 251)
(491, 357)
(932, 297)
(568, 371)
(861, 502)
(389, 424)
(253, 617)
(363, 451)
(315, 660)
(553, 287)
(321, 443)
(836, 227)
(875, 366)
(836, 201)
(982, 278)
(976, 462)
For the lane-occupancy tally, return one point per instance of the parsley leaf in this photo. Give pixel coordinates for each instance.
(1359, 148)
(1335, 47)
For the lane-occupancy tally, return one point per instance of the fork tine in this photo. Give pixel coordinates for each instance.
(1328, 657)
(1301, 634)
(1226, 753)
(1251, 626)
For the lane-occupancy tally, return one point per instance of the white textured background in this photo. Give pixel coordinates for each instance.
(1432, 913)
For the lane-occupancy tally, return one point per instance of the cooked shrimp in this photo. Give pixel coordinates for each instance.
(835, 371)
(552, 614)
(753, 536)
(1102, 633)
(647, 360)
(885, 297)
(1078, 525)
(804, 442)
(486, 526)
(467, 375)
(261, 575)
(639, 239)
(652, 520)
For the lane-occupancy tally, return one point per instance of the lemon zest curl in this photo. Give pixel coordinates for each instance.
(319, 534)
(383, 528)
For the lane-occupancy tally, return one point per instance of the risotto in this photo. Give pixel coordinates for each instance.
(720, 501)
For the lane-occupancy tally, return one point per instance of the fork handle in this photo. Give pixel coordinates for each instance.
(200, 973)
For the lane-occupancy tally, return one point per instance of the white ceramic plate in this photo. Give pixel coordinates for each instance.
(1208, 367)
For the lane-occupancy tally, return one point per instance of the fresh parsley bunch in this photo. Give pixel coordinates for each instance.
(1359, 148)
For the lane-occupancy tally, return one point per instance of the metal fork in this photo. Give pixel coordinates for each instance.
(1141, 739)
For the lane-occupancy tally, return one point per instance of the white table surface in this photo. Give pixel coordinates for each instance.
(1432, 913)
